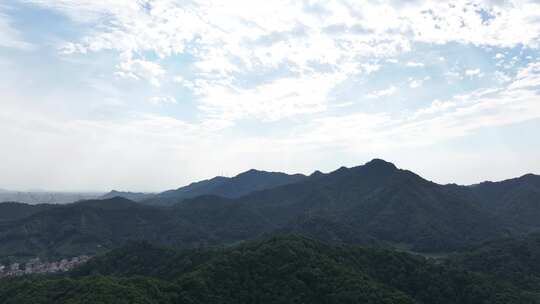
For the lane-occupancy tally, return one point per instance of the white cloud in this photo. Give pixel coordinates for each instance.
(141, 69)
(179, 79)
(527, 78)
(287, 29)
(382, 93)
(415, 64)
(501, 77)
(370, 68)
(351, 130)
(275, 100)
(439, 22)
(474, 73)
(161, 100)
(416, 83)
(237, 40)
(437, 106)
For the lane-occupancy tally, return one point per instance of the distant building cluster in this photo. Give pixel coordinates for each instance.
(35, 266)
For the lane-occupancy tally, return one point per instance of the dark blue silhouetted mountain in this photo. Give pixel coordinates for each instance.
(234, 187)
(375, 203)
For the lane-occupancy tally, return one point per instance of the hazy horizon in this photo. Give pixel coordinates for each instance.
(154, 94)
(103, 191)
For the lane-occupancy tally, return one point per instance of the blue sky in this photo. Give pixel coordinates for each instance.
(152, 94)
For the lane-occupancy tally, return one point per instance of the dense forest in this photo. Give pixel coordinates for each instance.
(279, 269)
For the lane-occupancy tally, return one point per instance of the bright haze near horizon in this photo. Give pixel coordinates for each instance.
(149, 95)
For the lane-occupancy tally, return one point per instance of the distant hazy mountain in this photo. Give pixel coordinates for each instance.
(134, 196)
(376, 203)
(233, 187)
(44, 197)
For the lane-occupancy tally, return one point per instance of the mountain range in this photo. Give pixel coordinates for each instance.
(228, 187)
(375, 203)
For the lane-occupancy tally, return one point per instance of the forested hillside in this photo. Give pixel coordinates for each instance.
(284, 269)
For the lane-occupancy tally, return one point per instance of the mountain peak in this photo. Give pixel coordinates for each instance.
(317, 173)
(529, 176)
(380, 163)
(251, 172)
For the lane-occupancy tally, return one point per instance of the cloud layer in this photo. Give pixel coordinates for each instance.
(284, 85)
(311, 42)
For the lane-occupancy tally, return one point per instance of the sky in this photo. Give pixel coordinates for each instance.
(148, 95)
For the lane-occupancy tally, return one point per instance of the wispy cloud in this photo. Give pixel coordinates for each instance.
(279, 99)
(141, 69)
(232, 41)
(442, 120)
(10, 37)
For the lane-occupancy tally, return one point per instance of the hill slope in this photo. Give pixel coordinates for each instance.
(516, 260)
(515, 201)
(373, 201)
(86, 227)
(10, 211)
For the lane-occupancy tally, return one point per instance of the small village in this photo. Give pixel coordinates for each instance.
(36, 266)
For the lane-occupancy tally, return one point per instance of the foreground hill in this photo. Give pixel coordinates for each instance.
(285, 269)
(376, 203)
